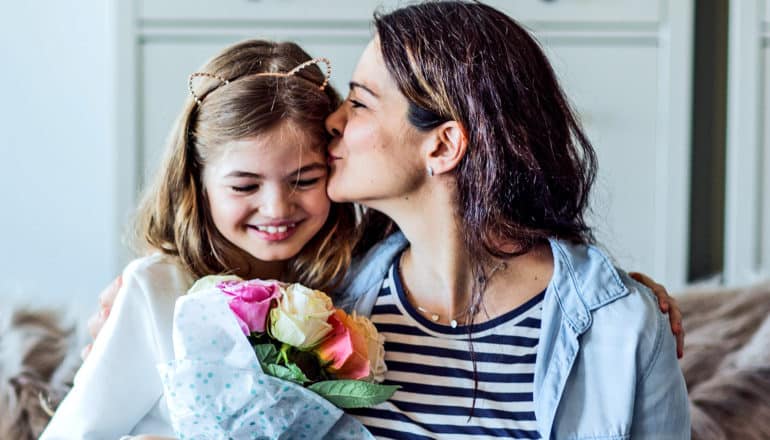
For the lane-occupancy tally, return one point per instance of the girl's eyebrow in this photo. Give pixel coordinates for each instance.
(305, 169)
(308, 168)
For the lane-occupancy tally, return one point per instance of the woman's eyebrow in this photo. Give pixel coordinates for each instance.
(356, 85)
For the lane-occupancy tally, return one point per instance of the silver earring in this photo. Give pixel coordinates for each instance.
(430, 171)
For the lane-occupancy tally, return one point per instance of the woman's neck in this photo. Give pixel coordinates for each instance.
(437, 269)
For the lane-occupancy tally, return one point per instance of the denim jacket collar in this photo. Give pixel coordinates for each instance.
(583, 280)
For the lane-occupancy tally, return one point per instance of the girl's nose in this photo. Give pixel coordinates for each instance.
(277, 204)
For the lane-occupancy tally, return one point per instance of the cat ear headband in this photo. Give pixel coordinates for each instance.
(225, 81)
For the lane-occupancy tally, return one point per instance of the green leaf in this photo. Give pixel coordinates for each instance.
(298, 373)
(291, 373)
(266, 353)
(353, 393)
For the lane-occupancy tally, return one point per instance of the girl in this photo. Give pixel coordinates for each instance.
(500, 317)
(243, 191)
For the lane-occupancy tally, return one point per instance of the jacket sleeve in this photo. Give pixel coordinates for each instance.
(118, 384)
(661, 407)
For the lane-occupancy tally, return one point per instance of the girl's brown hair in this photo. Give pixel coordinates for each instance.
(174, 218)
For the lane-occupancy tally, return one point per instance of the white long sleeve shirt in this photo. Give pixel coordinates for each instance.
(118, 390)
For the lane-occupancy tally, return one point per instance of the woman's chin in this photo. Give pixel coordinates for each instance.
(337, 193)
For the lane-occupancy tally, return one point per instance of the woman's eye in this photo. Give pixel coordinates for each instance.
(356, 104)
(246, 188)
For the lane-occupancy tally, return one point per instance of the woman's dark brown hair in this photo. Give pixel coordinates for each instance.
(174, 217)
(529, 167)
(528, 170)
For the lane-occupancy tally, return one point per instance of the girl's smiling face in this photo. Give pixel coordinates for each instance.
(267, 194)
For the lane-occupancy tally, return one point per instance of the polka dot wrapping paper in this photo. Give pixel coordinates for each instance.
(215, 388)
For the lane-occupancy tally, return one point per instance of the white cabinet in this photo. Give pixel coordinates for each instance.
(747, 216)
(625, 64)
(590, 11)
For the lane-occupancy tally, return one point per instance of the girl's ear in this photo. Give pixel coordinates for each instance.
(447, 147)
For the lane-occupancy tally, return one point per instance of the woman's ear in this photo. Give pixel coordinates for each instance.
(447, 148)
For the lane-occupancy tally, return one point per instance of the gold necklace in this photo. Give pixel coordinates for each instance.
(435, 317)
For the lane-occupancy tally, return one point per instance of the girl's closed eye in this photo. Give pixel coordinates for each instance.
(308, 183)
(245, 188)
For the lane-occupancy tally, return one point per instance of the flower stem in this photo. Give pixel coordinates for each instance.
(285, 353)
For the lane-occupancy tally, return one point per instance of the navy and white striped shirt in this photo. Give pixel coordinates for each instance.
(432, 364)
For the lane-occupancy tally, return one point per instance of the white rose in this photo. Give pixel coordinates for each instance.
(300, 319)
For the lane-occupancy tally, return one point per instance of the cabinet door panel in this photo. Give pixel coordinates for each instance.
(614, 90)
(593, 11)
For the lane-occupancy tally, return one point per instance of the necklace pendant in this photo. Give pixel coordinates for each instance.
(453, 323)
(434, 317)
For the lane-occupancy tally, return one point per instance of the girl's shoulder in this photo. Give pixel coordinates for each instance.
(157, 274)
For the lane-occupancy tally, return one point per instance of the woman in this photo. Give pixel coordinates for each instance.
(501, 319)
(467, 143)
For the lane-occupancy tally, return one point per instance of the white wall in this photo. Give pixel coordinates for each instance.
(56, 153)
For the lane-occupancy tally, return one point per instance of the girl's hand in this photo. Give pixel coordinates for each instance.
(96, 321)
(667, 305)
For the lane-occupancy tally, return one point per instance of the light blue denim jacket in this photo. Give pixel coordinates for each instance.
(606, 363)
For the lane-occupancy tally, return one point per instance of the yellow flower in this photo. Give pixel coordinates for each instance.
(300, 319)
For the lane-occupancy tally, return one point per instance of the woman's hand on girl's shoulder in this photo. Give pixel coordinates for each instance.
(97, 320)
(668, 305)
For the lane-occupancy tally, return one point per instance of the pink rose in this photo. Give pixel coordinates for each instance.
(251, 301)
(345, 349)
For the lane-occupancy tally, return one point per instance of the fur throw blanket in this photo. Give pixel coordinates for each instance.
(727, 362)
(726, 365)
(39, 354)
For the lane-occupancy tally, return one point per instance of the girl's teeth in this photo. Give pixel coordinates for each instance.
(274, 229)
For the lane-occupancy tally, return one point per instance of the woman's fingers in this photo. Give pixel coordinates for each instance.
(107, 296)
(97, 320)
(86, 351)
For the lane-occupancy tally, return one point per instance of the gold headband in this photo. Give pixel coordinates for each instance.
(293, 71)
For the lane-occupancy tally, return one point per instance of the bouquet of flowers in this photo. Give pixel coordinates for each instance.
(261, 359)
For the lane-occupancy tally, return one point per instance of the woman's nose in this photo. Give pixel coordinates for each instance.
(335, 122)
